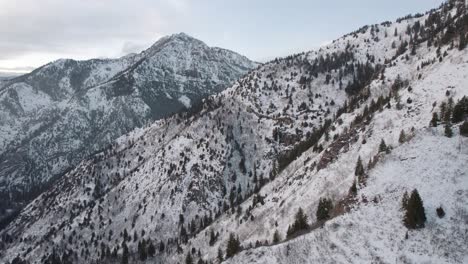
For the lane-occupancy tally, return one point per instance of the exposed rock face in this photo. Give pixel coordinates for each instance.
(64, 111)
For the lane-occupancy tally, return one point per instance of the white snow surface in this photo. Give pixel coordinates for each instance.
(189, 165)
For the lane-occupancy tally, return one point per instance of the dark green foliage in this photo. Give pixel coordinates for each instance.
(300, 220)
(404, 201)
(97, 192)
(142, 250)
(459, 111)
(18, 260)
(363, 75)
(233, 246)
(353, 189)
(415, 216)
(220, 254)
(402, 137)
(448, 130)
(324, 208)
(151, 249)
(285, 159)
(383, 147)
(276, 237)
(161, 246)
(462, 43)
(440, 212)
(213, 238)
(435, 119)
(464, 129)
(359, 170)
(124, 253)
(188, 258)
(300, 223)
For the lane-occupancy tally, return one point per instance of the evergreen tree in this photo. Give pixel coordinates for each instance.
(213, 238)
(220, 254)
(458, 112)
(448, 130)
(161, 246)
(233, 246)
(359, 170)
(151, 249)
(435, 119)
(300, 221)
(124, 253)
(464, 129)
(404, 201)
(353, 189)
(383, 146)
(324, 208)
(97, 188)
(462, 43)
(402, 137)
(276, 237)
(142, 250)
(415, 216)
(188, 258)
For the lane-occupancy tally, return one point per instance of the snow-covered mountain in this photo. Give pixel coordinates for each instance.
(64, 111)
(281, 138)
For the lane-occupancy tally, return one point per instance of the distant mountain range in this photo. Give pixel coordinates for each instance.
(53, 117)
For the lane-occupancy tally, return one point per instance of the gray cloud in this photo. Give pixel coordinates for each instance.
(83, 27)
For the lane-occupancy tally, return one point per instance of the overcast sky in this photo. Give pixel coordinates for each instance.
(34, 32)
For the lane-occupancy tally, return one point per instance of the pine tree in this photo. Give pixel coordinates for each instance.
(220, 254)
(402, 137)
(464, 129)
(448, 130)
(383, 146)
(404, 201)
(276, 237)
(124, 253)
(324, 208)
(359, 170)
(415, 216)
(353, 189)
(212, 238)
(188, 258)
(161, 246)
(97, 188)
(435, 119)
(233, 246)
(458, 112)
(151, 249)
(142, 250)
(300, 221)
(462, 43)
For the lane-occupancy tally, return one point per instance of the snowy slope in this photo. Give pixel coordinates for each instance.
(64, 111)
(283, 133)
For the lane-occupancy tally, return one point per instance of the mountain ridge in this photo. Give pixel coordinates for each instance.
(281, 138)
(37, 109)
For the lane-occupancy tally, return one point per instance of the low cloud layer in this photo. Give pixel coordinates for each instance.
(85, 28)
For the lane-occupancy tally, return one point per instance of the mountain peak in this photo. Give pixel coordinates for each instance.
(174, 39)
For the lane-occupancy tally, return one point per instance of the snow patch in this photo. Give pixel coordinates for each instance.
(185, 101)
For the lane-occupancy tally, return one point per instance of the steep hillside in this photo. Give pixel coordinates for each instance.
(63, 112)
(282, 137)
